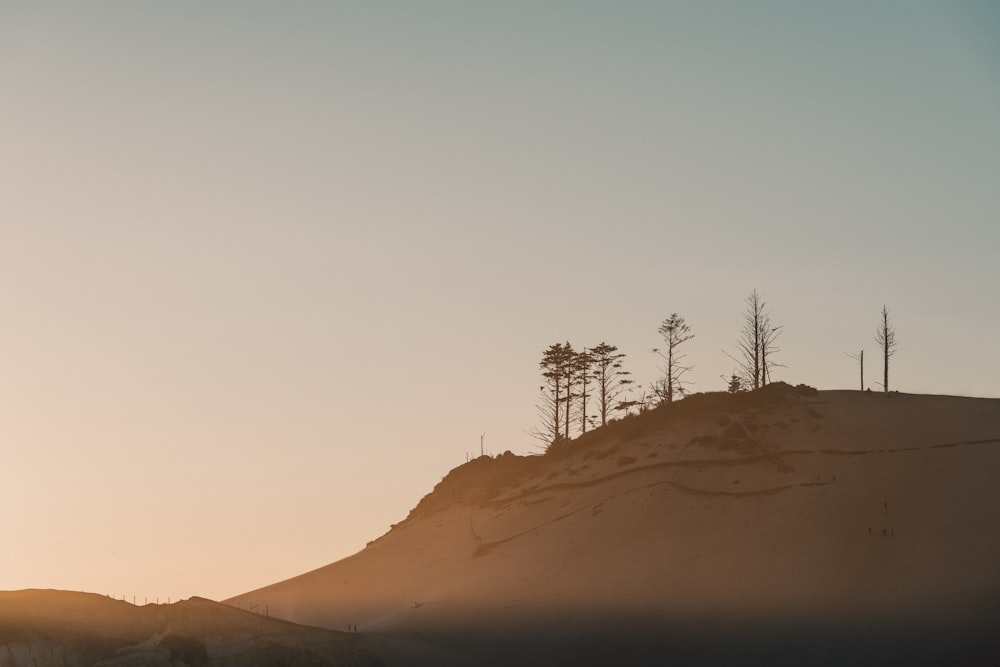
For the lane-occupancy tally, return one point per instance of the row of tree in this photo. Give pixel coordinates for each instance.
(571, 378)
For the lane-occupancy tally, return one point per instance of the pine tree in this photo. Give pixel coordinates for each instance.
(610, 379)
(675, 331)
(583, 367)
(552, 394)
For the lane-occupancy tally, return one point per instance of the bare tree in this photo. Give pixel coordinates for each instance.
(675, 331)
(885, 336)
(610, 380)
(756, 345)
(768, 348)
(860, 358)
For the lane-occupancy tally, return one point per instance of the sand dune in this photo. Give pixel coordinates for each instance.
(65, 629)
(782, 527)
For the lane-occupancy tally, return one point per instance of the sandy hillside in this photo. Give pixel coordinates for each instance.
(44, 628)
(781, 527)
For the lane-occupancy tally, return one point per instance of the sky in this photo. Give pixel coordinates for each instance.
(268, 271)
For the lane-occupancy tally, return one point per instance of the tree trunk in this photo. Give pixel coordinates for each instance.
(558, 401)
(885, 370)
(670, 371)
(886, 350)
(756, 351)
(569, 390)
(604, 397)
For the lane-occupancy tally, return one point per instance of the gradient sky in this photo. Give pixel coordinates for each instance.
(268, 270)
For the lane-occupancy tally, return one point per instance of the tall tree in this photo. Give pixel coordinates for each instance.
(569, 377)
(675, 331)
(768, 348)
(551, 403)
(757, 344)
(582, 367)
(885, 336)
(610, 379)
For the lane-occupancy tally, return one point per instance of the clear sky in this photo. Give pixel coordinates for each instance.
(268, 270)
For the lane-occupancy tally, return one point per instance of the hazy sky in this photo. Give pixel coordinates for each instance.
(268, 270)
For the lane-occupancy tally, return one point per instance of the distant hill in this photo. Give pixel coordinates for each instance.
(44, 628)
(781, 527)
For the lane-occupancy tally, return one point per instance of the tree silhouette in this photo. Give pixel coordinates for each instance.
(756, 345)
(569, 377)
(860, 358)
(551, 404)
(610, 379)
(675, 331)
(885, 336)
(626, 406)
(582, 367)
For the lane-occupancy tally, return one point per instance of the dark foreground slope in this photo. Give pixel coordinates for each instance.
(785, 527)
(64, 629)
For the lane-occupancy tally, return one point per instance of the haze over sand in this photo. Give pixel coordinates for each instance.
(779, 527)
(46, 628)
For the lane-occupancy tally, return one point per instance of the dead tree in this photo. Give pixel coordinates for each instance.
(885, 336)
(860, 358)
(675, 331)
(768, 348)
(756, 345)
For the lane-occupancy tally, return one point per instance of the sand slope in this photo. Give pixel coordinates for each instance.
(782, 527)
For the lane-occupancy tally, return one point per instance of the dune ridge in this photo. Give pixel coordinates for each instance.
(860, 526)
(49, 628)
